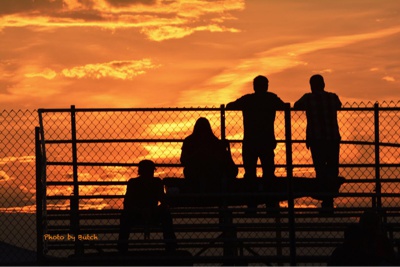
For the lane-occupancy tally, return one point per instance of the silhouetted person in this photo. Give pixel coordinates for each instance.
(144, 205)
(259, 110)
(365, 244)
(322, 134)
(206, 159)
(348, 253)
(375, 242)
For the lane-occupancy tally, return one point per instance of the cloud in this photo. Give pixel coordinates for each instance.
(21, 159)
(120, 3)
(172, 32)
(25, 6)
(324, 71)
(16, 187)
(125, 70)
(47, 74)
(34, 85)
(225, 86)
(158, 20)
(389, 79)
(4, 176)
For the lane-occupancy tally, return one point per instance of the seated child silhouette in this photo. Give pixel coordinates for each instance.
(144, 204)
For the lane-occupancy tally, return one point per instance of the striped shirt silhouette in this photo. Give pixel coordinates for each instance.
(321, 111)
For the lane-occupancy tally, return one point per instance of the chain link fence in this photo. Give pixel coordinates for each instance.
(113, 141)
(17, 186)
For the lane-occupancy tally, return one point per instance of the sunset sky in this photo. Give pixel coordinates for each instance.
(190, 53)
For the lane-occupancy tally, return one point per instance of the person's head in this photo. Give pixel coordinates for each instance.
(317, 83)
(146, 168)
(202, 127)
(260, 84)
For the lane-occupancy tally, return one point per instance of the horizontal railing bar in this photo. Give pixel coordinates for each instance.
(108, 183)
(113, 164)
(351, 212)
(167, 140)
(262, 226)
(371, 180)
(98, 183)
(391, 195)
(48, 110)
(365, 143)
(93, 141)
(54, 110)
(181, 228)
(84, 197)
(120, 164)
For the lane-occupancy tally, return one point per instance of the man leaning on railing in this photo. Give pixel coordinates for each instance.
(322, 134)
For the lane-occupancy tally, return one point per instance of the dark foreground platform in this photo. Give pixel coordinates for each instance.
(211, 228)
(240, 192)
(131, 258)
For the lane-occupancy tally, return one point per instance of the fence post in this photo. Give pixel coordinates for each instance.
(289, 172)
(378, 199)
(74, 202)
(224, 181)
(223, 133)
(39, 199)
(229, 231)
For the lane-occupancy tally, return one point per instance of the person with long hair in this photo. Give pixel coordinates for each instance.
(208, 166)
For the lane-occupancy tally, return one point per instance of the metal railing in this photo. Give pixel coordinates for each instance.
(112, 163)
(84, 157)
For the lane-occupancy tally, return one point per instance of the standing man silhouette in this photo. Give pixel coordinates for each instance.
(322, 134)
(259, 110)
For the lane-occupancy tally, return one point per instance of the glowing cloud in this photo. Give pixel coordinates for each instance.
(47, 74)
(172, 32)
(4, 176)
(226, 85)
(125, 70)
(161, 20)
(324, 71)
(25, 159)
(389, 79)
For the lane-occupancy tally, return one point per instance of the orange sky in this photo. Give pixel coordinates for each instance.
(189, 53)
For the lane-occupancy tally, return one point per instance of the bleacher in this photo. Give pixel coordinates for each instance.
(211, 228)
